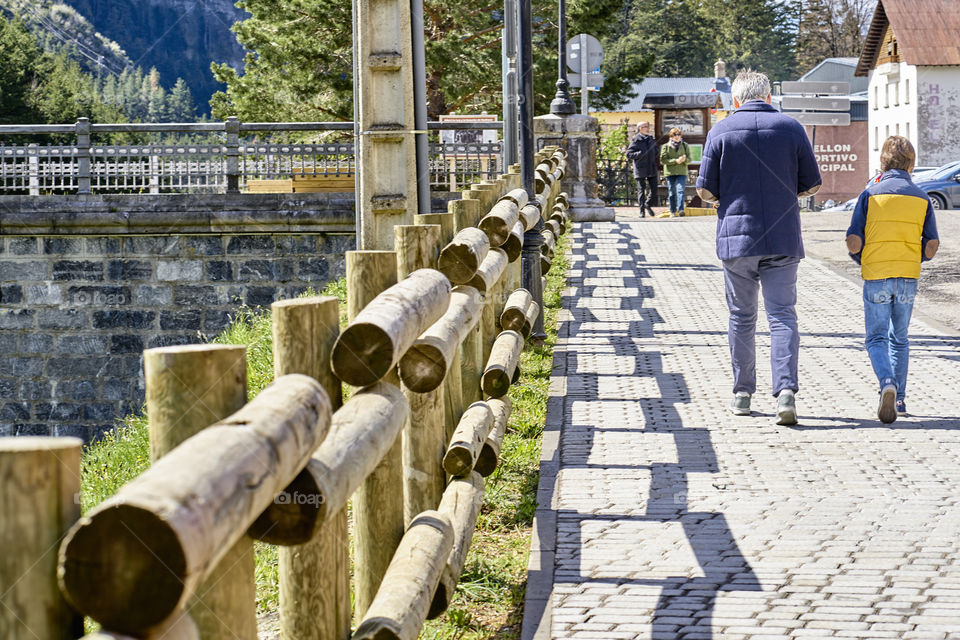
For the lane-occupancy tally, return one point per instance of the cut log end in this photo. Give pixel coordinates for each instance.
(457, 461)
(458, 266)
(362, 355)
(423, 368)
(294, 515)
(123, 550)
(495, 382)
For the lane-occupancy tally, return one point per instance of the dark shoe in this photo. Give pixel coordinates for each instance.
(901, 408)
(741, 404)
(786, 407)
(887, 410)
(681, 214)
(650, 212)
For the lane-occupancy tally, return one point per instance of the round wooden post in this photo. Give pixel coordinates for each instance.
(314, 576)
(445, 220)
(378, 503)
(39, 501)
(424, 443)
(471, 365)
(189, 388)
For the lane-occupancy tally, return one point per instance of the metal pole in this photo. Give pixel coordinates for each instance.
(530, 257)
(584, 85)
(420, 107)
(562, 105)
(509, 49)
(358, 240)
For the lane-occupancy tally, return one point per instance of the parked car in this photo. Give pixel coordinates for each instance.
(943, 186)
(844, 206)
(919, 172)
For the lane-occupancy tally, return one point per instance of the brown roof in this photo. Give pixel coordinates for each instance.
(927, 31)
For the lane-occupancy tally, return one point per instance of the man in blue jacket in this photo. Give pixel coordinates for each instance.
(756, 162)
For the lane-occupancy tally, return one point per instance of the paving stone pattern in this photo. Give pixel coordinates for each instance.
(663, 516)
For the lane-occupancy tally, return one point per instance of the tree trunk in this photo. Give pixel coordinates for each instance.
(462, 256)
(461, 503)
(425, 364)
(502, 364)
(490, 453)
(39, 502)
(135, 559)
(402, 603)
(376, 339)
(468, 439)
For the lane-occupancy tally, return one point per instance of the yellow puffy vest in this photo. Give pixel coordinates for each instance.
(893, 237)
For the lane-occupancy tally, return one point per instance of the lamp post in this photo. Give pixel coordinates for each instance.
(562, 105)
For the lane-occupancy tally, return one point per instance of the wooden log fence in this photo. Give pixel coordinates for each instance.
(170, 554)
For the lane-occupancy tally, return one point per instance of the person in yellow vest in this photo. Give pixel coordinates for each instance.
(892, 231)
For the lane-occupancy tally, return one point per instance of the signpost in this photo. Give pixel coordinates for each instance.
(820, 105)
(584, 55)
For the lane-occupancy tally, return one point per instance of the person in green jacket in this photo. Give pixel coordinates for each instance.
(675, 156)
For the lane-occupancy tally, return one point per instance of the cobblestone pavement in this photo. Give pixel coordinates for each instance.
(663, 516)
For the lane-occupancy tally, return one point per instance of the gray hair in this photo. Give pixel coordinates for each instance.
(750, 85)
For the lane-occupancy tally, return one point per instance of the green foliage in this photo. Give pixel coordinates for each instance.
(613, 143)
(830, 29)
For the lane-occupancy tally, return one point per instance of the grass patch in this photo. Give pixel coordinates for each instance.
(489, 599)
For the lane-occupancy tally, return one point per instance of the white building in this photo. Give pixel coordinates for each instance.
(912, 57)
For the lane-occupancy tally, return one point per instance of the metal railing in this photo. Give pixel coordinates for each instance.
(226, 164)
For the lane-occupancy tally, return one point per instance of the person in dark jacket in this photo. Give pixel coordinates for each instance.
(643, 152)
(756, 162)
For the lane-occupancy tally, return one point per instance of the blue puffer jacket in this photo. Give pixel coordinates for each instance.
(756, 161)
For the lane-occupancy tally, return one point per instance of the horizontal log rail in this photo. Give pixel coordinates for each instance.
(281, 467)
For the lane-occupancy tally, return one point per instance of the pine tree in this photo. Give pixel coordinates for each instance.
(19, 55)
(180, 103)
(830, 29)
(752, 34)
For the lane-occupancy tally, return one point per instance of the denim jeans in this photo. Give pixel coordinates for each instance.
(743, 278)
(887, 306)
(675, 188)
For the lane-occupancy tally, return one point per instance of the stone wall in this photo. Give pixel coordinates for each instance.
(86, 284)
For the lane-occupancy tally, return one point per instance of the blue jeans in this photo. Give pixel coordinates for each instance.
(887, 306)
(675, 188)
(743, 277)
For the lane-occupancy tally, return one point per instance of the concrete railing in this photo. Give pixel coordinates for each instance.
(432, 346)
(225, 164)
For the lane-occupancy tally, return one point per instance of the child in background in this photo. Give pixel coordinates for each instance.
(892, 231)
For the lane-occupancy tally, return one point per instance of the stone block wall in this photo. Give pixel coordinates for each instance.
(83, 290)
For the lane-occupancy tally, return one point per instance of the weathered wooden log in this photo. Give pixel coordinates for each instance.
(499, 221)
(462, 256)
(490, 452)
(466, 213)
(530, 316)
(514, 243)
(554, 227)
(502, 364)
(514, 312)
(445, 220)
(452, 395)
(362, 432)
(135, 559)
(559, 217)
(486, 193)
(530, 215)
(375, 340)
(517, 196)
(378, 503)
(549, 242)
(402, 603)
(543, 201)
(425, 364)
(490, 270)
(314, 573)
(424, 434)
(545, 263)
(39, 502)
(564, 199)
(468, 439)
(461, 503)
(513, 277)
(180, 626)
(189, 388)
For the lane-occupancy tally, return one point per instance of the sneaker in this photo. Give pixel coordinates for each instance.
(887, 410)
(901, 408)
(741, 404)
(681, 213)
(786, 407)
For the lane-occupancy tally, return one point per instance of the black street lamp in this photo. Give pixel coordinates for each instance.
(562, 105)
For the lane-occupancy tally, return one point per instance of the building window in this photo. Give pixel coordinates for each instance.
(876, 97)
(896, 94)
(886, 133)
(886, 96)
(898, 128)
(906, 91)
(876, 138)
(907, 134)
